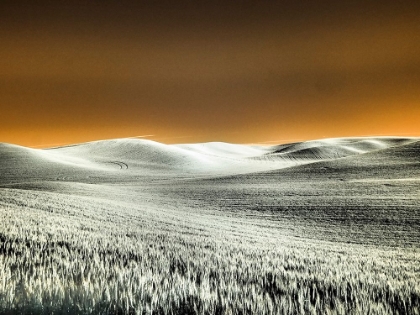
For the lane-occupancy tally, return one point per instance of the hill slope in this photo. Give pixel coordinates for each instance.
(133, 227)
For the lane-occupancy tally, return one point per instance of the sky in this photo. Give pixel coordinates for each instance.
(199, 71)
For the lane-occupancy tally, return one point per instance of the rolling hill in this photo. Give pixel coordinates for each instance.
(134, 226)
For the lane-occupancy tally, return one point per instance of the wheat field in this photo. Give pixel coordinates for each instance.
(297, 240)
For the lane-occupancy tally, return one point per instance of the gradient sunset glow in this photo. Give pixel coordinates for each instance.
(184, 71)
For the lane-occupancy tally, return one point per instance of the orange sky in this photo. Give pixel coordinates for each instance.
(179, 71)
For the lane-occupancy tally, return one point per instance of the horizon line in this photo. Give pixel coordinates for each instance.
(262, 143)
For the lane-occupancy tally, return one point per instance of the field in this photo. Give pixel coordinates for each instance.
(137, 227)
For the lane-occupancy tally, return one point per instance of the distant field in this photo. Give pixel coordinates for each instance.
(137, 227)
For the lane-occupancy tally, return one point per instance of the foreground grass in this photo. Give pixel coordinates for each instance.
(175, 276)
(92, 263)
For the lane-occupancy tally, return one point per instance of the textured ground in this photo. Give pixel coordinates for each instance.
(326, 214)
